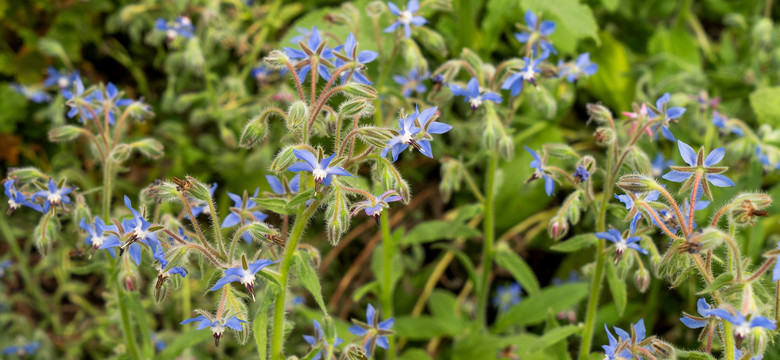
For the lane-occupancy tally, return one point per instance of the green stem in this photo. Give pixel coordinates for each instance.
(301, 220)
(107, 185)
(125, 314)
(215, 223)
(487, 246)
(729, 340)
(389, 248)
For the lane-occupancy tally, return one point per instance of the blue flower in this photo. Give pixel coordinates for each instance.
(241, 213)
(63, 80)
(304, 34)
(137, 231)
(245, 276)
(319, 335)
(507, 296)
(159, 255)
(668, 114)
(313, 49)
(217, 325)
(581, 174)
(279, 189)
(22, 350)
(776, 270)
(96, 232)
(412, 82)
(322, 171)
(5, 264)
(261, 73)
(33, 94)
(419, 137)
(611, 350)
(621, 245)
(77, 101)
(538, 164)
(701, 166)
(536, 34)
(696, 322)
(635, 213)
(54, 196)
(110, 100)
(762, 156)
(374, 332)
(743, 326)
(181, 27)
(159, 345)
(660, 164)
(406, 17)
(527, 73)
(16, 198)
(738, 355)
(473, 95)
(200, 206)
(582, 66)
(720, 122)
(356, 60)
(373, 206)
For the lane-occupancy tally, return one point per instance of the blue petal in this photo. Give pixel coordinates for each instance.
(677, 176)
(714, 157)
(719, 180)
(693, 324)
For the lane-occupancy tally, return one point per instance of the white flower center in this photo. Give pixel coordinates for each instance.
(13, 204)
(742, 330)
(621, 246)
(63, 82)
(139, 232)
(96, 241)
(185, 20)
(247, 278)
(476, 102)
(406, 138)
(319, 174)
(574, 69)
(405, 17)
(529, 74)
(171, 34)
(54, 198)
(218, 329)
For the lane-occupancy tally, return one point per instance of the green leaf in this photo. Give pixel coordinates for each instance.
(300, 198)
(534, 309)
(138, 313)
(415, 354)
(765, 105)
(464, 259)
(184, 341)
(437, 230)
(612, 83)
(575, 21)
(277, 205)
(575, 243)
(553, 337)
(719, 282)
(610, 5)
(308, 277)
(519, 269)
(617, 287)
(693, 355)
(425, 327)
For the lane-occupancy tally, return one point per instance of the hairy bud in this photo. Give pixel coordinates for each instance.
(65, 133)
(637, 183)
(277, 59)
(599, 113)
(642, 279)
(297, 115)
(745, 208)
(604, 136)
(149, 147)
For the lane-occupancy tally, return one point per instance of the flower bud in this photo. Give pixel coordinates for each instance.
(149, 147)
(160, 289)
(45, 233)
(557, 228)
(662, 349)
(637, 183)
(376, 136)
(28, 174)
(120, 153)
(277, 59)
(745, 208)
(412, 54)
(197, 189)
(375, 9)
(297, 116)
(758, 340)
(285, 158)
(129, 282)
(255, 130)
(642, 279)
(599, 113)
(432, 41)
(355, 106)
(604, 136)
(360, 90)
(65, 133)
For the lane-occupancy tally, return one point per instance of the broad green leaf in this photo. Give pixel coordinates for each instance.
(308, 277)
(138, 312)
(519, 269)
(553, 336)
(612, 83)
(534, 309)
(437, 230)
(425, 327)
(184, 341)
(415, 354)
(719, 282)
(610, 5)
(277, 205)
(617, 287)
(574, 21)
(765, 105)
(575, 243)
(476, 346)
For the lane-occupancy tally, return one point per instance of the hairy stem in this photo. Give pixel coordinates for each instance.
(487, 246)
(388, 249)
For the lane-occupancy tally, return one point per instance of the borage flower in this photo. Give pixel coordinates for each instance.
(412, 82)
(696, 322)
(699, 167)
(744, 325)
(261, 73)
(244, 275)
(63, 80)
(375, 332)
(54, 196)
(373, 206)
(527, 73)
(638, 117)
(322, 171)
(537, 33)
(319, 336)
(242, 214)
(181, 27)
(507, 296)
(33, 94)
(110, 100)
(418, 137)
(667, 115)
(16, 199)
(95, 232)
(580, 67)
(313, 51)
(660, 164)
(580, 174)
(721, 122)
(406, 17)
(355, 60)
(621, 244)
(631, 202)
(78, 101)
(288, 188)
(473, 95)
(217, 325)
(611, 350)
(22, 350)
(137, 231)
(538, 164)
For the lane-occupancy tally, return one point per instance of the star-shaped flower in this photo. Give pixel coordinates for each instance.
(181, 27)
(721, 122)
(699, 167)
(660, 164)
(696, 322)
(621, 244)
(374, 205)
(539, 173)
(635, 212)
(473, 95)
(744, 324)
(16, 198)
(667, 115)
(22, 350)
(63, 80)
(412, 82)
(527, 73)
(136, 231)
(581, 67)
(319, 336)
(537, 33)
(242, 213)
(322, 171)
(280, 189)
(415, 130)
(33, 94)
(406, 18)
(507, 296)
(357, 61)
(217, 325)
(96, 232)
(110, 100)
(54, 196)
(314, 50)
(77, 101)
(244, 275)
(374, 332)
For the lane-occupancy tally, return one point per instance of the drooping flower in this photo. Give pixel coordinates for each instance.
(313, 50)
(635, 212)
(537, 33)
(527, 73)
(319, 336)
(538, 164)
(77, 101)
(696, 322)
(217, 325)
(181, 27)
(638, 117)
(418, 137)
(322, 171)
(660, 164)
(744, 325)
(667, 114)
(54, 196)
(137, 231)
(110, 100)
(581, 174)
(246, 276)
(96, 232)
(412, 82)
(374, 332)
(721, 122)
(699, 167)
(581, 67)
(261, 73)
(507, 296)
(406, 18)
(31, 93)
(355, 59)
(61, 79)
(621, 244)
(242, 213)
(374, 205)
(22, 351)
(15, 197)
(473, 95)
